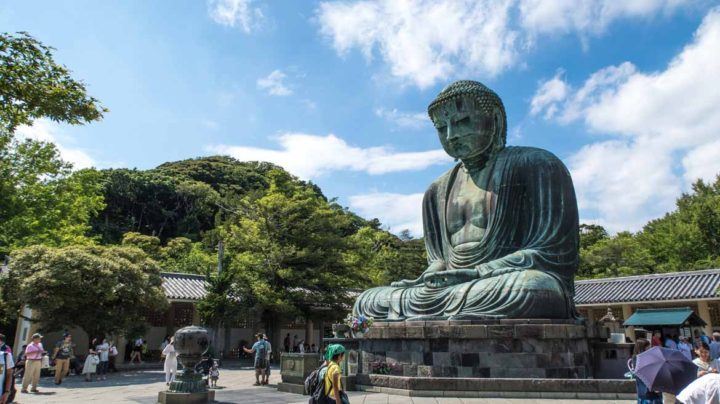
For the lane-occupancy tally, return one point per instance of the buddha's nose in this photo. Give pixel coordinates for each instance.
(451, 134)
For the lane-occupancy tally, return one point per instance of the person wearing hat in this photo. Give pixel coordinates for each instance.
(64, 351)
(33, 364)
(333, 385)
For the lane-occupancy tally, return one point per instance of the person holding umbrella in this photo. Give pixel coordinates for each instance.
(661, 370)
(644, 395)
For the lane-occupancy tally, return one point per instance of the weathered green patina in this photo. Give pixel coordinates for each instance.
(501, 227)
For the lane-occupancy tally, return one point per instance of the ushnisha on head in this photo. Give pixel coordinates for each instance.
(470, 120)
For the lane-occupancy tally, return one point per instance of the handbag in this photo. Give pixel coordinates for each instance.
(45, 362)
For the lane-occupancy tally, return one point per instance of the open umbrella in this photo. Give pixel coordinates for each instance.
(665, 370)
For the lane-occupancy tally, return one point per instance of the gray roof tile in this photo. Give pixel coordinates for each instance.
(647, 288)
(183, 286)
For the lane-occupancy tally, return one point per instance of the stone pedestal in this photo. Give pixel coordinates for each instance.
(171, 397)
(477, 349)
(294, 368)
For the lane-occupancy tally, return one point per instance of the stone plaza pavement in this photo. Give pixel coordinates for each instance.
(142, 386)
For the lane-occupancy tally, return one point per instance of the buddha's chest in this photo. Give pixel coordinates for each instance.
(467, 209)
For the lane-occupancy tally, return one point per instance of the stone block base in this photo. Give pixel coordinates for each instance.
(591, 389)
(169, 397)
(498, 349)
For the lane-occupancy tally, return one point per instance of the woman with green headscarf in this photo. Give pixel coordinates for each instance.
(333, 385)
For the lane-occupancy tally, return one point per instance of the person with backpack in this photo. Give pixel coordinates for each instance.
(7, 380)
(260, 350)
(333, 385)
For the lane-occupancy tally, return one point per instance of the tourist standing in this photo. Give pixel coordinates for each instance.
(670, 342)
(170, 365)
(7, 367)
(644, 395)
(715, 346)
(33, 364)
(286, 343)
(657, 339)
(685, 347)
(103, 351)
(333, 384)
(137, 351)
(91, 362)
(113, 353)
(704, 362)
(260, 351)
(64, 351)
(295, 343)
(268, 358)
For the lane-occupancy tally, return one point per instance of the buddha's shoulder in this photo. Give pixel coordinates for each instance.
(528, 154)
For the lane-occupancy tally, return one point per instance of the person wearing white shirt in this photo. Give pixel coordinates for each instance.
(103, 351)
(7, 366)
(170, 365)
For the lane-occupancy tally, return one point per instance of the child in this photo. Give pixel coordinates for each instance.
(214, 374)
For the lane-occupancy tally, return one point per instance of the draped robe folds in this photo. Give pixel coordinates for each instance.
(526, 259)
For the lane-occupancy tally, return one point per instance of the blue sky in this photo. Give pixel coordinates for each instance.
(626, 93)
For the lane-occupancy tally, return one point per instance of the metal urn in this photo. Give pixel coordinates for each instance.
(190, 344)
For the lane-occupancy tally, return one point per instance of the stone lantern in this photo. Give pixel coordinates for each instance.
(190, 344)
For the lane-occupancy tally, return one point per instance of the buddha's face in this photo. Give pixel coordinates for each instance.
(465, 131)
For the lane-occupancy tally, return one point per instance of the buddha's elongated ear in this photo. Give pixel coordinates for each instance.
(499, 125)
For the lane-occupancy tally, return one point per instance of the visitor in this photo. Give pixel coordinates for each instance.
(64, 351)
(705, 390)
(700, 337)
(286, 343)
(33, 364)
(704, 362)
(268, 357)
(657, 339)
(91, 362)
(137, 351)
(7, 371)
(313, 348)
(164, 343)
(7, 368)
(103, 351)
(203, 367)
(295, 343)
(715, 345)
(170, 365)
(260, 351)
(112, 356)
(685, 347)
(333, 385)
(670, 342)
(214, 374)
(301, 346)
(20, 363)
(644, 395)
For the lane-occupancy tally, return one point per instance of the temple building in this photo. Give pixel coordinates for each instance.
(698, 290)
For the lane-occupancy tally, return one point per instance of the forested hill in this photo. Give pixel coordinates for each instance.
(179, 199)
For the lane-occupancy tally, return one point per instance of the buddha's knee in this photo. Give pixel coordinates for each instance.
(535, 280)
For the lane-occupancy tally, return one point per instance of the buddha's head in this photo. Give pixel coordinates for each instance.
(470, 120)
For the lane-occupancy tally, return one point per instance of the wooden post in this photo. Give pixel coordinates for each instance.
(704, 313)
(627, 312)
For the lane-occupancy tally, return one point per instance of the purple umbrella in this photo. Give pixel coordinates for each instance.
(665, 370)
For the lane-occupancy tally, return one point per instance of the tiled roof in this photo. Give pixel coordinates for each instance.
(647, 288)
(183, 286)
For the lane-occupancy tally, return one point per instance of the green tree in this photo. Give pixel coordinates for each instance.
(621, 255)
(33, 85)
(590, 234)
(103, 290)
(286, 247)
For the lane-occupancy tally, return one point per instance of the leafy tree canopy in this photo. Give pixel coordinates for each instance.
(103, 290)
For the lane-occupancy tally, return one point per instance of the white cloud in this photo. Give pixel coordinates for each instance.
(587, 16)
(409, 120)
(426, 41)
(310, 156)
(47, 131)
(399, 211)
(274, 84)
(662, 121)
(232, 13)
(548, 95)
